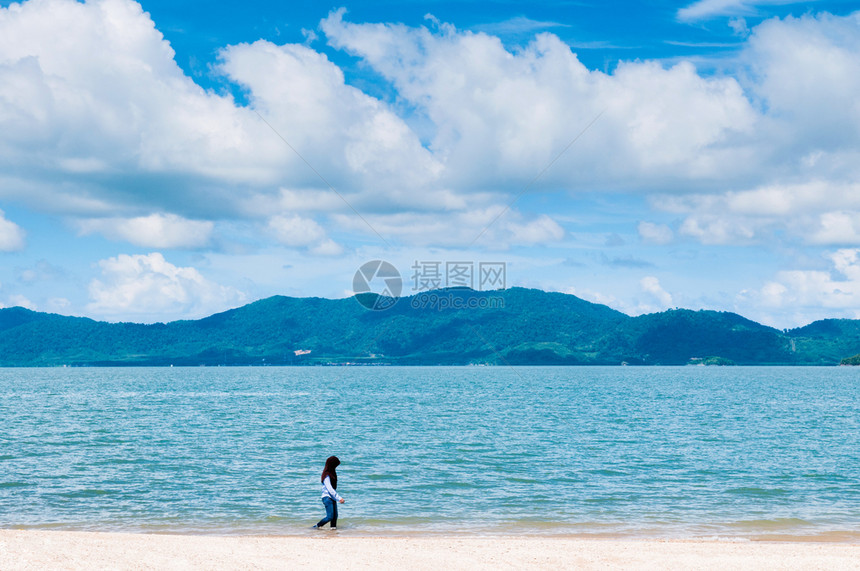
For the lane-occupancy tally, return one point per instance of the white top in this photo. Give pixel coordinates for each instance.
(328, 491)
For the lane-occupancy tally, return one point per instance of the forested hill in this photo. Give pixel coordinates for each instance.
(515, 326)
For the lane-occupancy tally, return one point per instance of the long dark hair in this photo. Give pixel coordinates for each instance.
(330, 464)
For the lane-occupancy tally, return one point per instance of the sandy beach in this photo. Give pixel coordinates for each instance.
(87, 550)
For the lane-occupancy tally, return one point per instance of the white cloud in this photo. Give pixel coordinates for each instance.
(493, 227)
(153, 231)
(713, 229)
(651, 286)
(296, 231)
(292, 200)
(807, 72)
(704, 9)
(542, 230)
(11, 235)
(803, 211)
(500, 117)
(655, 233)
(58, 304)
(841, 228)
(803, 296)
(148, 288)
(354, 139)
(598, 297)
(655, 298)
(92, 89)
(739, 26)
(707, 9)
(516, 26)
(327, 247)
(790, 134)
(90, 94)
(18, 300)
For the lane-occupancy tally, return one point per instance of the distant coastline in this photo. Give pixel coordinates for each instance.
(520, 327)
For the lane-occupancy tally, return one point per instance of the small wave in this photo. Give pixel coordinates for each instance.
(457, 485)
(606, 500)
(607, 472)
(827, 477)
(777, 524)
(764, 492)
(14, 484)
(91, 493)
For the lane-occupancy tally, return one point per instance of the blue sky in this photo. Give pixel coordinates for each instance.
(167, 160)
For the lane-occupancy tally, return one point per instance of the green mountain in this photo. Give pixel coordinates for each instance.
(455, 326)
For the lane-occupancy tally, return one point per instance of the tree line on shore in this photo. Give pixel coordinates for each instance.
(520, 327)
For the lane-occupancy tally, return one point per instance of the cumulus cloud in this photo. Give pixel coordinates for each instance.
(90, 94)
(837, 228)
(296, 231)
(18, 300)
(104, 108)
(714, 229)
(153, 231)
(502, 116)
(494, 227)
(785, 143)
(600, 297)
(539, 231)
(11, 235)
(807, 73)
(354, 138)
(655, 233)
(655, 298)
(815, 212)
(739, 26)
(327, 247)
(651, 286)
(148, 288)
(807, 295)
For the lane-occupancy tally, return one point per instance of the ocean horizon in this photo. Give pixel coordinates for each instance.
(729, 453)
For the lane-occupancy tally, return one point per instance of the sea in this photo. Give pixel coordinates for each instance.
(722, 453)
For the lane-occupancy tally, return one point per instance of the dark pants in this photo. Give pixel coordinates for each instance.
(330, 513)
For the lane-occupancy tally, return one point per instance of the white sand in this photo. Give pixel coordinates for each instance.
(332, 550)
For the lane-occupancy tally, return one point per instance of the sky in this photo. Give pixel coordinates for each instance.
(169, 160)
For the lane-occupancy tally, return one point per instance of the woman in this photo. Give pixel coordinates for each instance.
(329, 492)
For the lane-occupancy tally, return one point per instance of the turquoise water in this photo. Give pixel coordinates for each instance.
(687, 451)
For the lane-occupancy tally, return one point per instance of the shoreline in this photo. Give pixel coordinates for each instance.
(776, 532)
(28, 549)
(835, 537)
